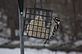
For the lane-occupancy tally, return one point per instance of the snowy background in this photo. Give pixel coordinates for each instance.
(33, 51)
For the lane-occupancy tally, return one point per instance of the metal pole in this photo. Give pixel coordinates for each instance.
(21, 7)
(21, 33)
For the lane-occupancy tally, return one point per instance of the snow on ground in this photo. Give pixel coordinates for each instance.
(78, 43)
(2, 41)
(31, 51)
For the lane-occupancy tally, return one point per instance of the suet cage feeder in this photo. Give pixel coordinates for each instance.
(38, 22)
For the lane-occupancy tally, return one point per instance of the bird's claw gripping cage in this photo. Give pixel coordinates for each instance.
(39, 23)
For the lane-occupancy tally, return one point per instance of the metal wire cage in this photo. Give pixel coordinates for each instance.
(38, 22)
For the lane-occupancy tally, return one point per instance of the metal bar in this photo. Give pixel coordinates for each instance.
(21, 33)
(21, 24)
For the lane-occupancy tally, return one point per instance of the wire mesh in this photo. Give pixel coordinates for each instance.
(38, 22)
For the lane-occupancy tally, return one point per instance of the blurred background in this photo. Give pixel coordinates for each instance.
(67, 40)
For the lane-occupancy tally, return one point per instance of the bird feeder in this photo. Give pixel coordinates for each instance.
(39, 23)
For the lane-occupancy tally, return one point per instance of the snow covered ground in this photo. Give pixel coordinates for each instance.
(2, 41)
(32, 51)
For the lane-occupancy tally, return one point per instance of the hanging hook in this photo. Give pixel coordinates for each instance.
(34, 3)
(40, 3)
